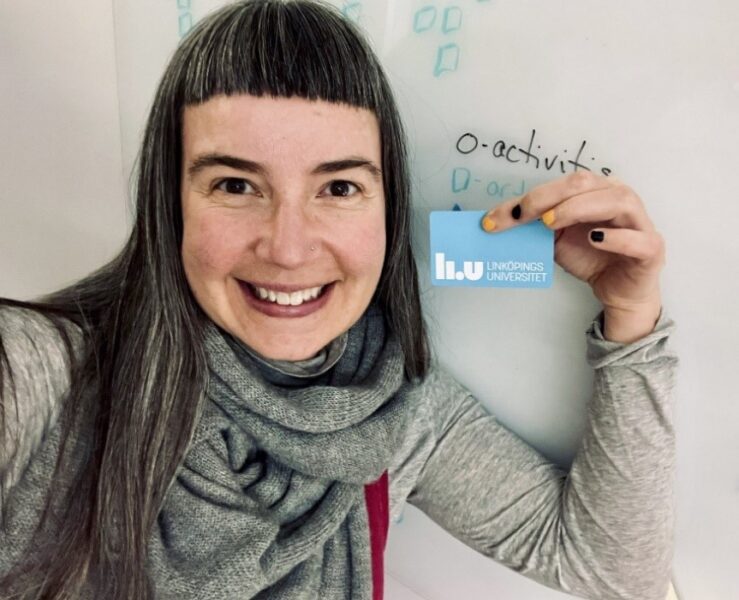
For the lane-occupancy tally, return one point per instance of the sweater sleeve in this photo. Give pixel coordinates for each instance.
(605, 529)
(34, 376)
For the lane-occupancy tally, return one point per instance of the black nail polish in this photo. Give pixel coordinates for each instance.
(516, 212)
(597, 236)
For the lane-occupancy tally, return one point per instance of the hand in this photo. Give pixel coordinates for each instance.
(622, 268)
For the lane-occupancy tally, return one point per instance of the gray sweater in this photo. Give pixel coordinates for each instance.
(602, 530)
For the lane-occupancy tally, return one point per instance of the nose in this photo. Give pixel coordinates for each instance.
(288, 240)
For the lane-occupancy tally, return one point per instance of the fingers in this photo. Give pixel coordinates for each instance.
(646, 246)
(540, 200)
(617, 206)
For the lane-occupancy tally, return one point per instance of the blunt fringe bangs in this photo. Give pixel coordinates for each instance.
(308, 50)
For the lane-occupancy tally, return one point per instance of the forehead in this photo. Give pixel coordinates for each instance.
(279, 127)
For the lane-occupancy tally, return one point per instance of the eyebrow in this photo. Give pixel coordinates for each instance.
(212, 159)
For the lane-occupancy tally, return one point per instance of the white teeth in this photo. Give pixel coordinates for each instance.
(292, 299)
(283, 298)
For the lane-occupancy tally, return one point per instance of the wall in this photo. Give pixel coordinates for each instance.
(63, 210)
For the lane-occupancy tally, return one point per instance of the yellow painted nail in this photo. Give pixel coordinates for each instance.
(548, 217)
(488, 224)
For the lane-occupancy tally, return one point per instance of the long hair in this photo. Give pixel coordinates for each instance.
(141, 377)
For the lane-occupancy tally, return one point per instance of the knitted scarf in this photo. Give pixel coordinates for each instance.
(269, 502)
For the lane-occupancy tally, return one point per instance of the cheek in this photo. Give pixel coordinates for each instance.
(210, 248)
(364, 247)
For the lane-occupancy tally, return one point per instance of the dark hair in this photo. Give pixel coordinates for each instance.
(142, 374)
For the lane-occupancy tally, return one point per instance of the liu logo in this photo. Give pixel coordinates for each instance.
(447, 270)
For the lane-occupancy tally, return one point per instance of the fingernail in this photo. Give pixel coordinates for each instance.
(488, 224)
(516, 212)
(548, 218)
(597, 236)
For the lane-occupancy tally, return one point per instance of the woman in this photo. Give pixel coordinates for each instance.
(223, 410)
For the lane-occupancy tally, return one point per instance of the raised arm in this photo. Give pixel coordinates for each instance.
(602, 531)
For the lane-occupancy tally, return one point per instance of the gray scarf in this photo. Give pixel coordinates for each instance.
(269, 502)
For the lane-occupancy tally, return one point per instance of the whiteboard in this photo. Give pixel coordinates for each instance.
(651, 88)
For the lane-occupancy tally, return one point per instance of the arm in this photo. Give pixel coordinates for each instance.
(34, 374)
(602, 531)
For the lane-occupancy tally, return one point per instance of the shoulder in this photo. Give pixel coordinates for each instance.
(17, 321)
(35, 346)
(440, 398)
(435, 403)
(35, 368)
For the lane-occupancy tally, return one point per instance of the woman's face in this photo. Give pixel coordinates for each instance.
(284, 218)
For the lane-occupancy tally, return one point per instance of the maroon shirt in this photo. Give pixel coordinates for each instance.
(378, 511)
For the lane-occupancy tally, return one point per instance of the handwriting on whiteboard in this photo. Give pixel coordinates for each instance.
(463, 178)
(532, 155)
(185, 20)
(352, 10)
(448, 21)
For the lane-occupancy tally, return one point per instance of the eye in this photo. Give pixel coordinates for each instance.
(341, 187)
(235, 185)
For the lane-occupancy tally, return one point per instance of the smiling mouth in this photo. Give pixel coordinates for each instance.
(286, 297)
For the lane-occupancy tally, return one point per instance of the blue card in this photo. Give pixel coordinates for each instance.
(463, 254)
